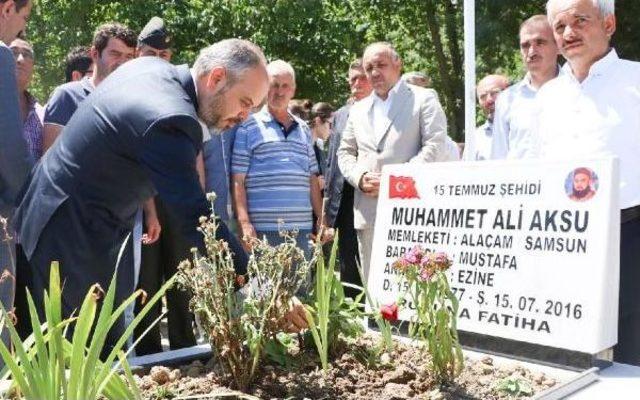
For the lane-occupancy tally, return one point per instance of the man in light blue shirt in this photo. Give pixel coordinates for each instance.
(274, 167)
(512, 124)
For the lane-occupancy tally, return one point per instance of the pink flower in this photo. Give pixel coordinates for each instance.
(442, 261)
(389, 312)
(400, 264)
(414, 256)
(425, 275)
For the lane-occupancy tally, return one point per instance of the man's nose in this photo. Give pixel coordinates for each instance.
(568, 32)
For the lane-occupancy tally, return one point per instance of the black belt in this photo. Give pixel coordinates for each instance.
(629, 214)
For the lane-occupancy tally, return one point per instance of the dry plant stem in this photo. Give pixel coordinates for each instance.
(238, 324)
(7, 239)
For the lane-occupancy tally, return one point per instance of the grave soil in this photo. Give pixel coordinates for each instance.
(399, 376)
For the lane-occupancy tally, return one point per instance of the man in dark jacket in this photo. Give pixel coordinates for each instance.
(339, 193)
(15, 160)
(136, 135)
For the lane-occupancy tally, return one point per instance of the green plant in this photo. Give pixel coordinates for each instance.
(436, 309)
(514, 386)
(277, 348)
(48, 366)
(383, 322)
(163, 392)
(330, 313)
(239, 324)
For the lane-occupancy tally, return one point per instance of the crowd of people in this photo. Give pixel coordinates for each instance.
(111, 174)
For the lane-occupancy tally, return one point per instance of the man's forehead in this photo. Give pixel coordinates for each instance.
(116, 43)
(563, 8)
(376, 54)
(353, 72)
(281, 77)
(490, 84)
(21, 44)
(539, 30)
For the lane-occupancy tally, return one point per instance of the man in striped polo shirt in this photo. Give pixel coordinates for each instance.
(275, 173)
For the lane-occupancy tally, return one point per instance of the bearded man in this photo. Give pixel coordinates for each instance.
(582, 190)
(136, 136)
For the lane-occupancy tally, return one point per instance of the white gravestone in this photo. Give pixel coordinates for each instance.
(535, 245)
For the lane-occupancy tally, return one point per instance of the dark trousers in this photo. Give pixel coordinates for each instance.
(627, 350)
(348, 242)
(159, 262)
(87, 254)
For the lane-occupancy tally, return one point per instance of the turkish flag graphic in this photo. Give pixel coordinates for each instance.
(402, 187)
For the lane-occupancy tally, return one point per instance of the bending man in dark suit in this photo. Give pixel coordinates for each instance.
(135, 136)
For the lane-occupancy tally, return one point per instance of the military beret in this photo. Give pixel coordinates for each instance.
(155, 34)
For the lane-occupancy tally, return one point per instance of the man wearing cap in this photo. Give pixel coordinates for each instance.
(154, 40)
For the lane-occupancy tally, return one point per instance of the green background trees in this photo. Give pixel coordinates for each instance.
(319, 37)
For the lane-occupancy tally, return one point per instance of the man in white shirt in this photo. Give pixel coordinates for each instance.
(397, 123)
(515, 106)
(488, 90)
(593, 109)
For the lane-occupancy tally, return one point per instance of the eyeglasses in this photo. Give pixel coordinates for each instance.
(25, 53)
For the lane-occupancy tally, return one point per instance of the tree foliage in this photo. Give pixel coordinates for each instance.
(318, 37)
(497, 28)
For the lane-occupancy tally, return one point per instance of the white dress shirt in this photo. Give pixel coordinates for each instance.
(599, 116)
(512, 120)
(482, 142)
(379, 113)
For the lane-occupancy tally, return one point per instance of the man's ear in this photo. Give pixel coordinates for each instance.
(7, 8)
(93, 53)
(217, 76)
(610, 24)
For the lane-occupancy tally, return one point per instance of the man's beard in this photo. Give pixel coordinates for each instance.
(579, 194)
(210, 111)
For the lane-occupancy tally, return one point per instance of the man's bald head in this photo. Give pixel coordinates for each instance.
(383, 66)
(488, 89)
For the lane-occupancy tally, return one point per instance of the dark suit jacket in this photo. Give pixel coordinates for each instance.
(334, 181)
(15, 161)
(135, 136)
